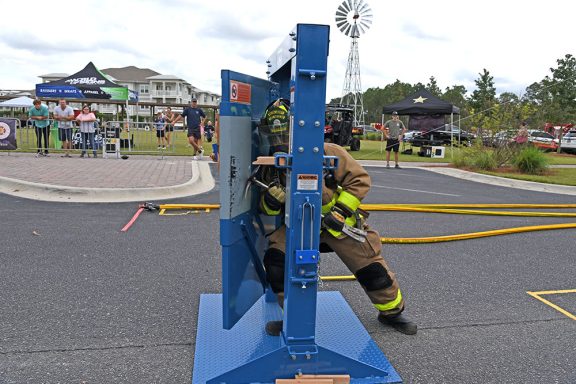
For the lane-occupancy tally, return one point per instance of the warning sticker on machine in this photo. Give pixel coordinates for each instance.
(307, 182)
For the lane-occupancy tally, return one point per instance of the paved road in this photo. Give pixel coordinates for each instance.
(82, 302)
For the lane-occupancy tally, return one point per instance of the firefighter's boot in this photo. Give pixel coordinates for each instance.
(273, 328)
(399, 322)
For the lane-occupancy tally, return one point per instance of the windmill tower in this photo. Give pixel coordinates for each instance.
(353, 18)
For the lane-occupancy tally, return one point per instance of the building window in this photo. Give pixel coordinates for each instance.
(144, 89)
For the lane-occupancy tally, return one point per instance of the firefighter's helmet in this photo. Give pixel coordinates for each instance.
(274, 128)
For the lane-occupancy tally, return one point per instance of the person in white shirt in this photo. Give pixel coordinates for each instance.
(64, 115)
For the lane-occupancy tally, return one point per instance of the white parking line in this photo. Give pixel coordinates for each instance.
(416, 190)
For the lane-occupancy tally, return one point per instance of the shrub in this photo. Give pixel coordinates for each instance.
(475, 157)
(484, 160)
(462, 158)
(530, 160)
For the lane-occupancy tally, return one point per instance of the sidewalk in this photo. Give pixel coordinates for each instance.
(138, 178)
(150, 178)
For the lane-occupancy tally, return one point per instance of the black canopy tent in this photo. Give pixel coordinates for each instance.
(426, 111)
(88, 83)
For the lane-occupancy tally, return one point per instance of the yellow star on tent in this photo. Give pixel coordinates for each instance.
(420, 99)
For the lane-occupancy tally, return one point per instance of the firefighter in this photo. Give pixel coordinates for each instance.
(342, 191)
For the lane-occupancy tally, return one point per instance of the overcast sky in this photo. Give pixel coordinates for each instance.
(517, 41)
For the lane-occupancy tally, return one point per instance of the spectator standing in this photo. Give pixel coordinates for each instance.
(160, 126)
(41, 119)
(87, 129)
(64, 115)
(394, 132)
(522, 137)
(169, 115)
(209, 131)
(195, 117)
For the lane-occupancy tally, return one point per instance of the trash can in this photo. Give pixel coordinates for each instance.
(54, 137)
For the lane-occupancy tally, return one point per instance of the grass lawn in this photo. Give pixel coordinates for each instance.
(562, 176)
(145, 142)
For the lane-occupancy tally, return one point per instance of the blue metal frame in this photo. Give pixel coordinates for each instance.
(321, 334)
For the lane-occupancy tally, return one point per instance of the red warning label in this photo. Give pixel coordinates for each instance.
(240, 92)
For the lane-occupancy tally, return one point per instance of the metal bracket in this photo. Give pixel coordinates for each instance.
(283, 161)
(313, 73)
(330, 162)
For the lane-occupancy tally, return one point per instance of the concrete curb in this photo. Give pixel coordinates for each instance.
(201, 181)
(504, 182)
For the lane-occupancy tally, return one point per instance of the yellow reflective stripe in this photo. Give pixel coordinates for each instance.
(391, 305)
(349, 200)
(351, 221)
(328, 206)
(267, 210)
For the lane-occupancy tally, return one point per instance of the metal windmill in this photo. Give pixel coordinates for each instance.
(353, 18)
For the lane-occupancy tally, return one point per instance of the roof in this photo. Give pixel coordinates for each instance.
(130, 74)
(165, 77)
(55, 74)
(421, 103)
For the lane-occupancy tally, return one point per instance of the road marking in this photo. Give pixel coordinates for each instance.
(537, 295)
(416, 190)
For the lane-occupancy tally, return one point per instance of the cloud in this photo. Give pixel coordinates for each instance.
(415, 31)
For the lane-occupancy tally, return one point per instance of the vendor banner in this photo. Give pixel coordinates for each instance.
(7, 134)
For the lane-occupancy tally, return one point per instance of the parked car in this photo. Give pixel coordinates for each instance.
(568, 143)
(339, 129)
(420, 139)
(542, 140)
(500, 139)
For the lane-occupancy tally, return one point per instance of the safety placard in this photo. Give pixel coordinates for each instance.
(307, 182)
(240, 92)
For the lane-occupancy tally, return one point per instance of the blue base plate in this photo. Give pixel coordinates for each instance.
(246, 354)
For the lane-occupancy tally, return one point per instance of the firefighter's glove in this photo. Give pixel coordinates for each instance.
(336, 219)
(275, 196)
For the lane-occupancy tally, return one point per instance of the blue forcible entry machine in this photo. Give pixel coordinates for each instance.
(321, 335)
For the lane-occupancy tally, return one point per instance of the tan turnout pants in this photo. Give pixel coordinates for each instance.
(361, 257)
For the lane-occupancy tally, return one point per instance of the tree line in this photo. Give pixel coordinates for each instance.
(551, 100)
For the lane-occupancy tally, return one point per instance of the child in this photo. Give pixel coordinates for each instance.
(160, 125)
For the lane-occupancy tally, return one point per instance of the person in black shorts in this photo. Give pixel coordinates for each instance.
(169, 127)
(195, 117)
(394, 131)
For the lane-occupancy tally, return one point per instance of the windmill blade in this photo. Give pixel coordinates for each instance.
(363, 7)
(367, 21)
(341, 14)
(348, 28)
(364, 27)
(342, 27)
(360, 28)
(340, 19)
(344, 7)
(340, 22)
(352, 5)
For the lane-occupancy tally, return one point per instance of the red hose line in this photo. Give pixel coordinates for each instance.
(127, 226)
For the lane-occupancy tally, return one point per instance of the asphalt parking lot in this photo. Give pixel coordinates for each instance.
(82, 302)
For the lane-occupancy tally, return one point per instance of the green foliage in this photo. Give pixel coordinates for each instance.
(475, 157)
(530, 160)
(433, 87)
